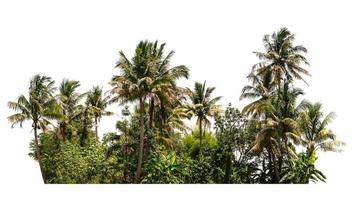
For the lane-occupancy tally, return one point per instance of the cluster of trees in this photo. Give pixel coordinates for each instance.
(274, 139)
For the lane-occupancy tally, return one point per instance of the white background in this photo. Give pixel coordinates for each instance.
(215, 39)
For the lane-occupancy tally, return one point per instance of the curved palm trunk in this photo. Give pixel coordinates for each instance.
(38, 153)
(141, 142)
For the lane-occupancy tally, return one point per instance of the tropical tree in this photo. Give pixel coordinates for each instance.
(163, 94)
(233, 143)
(97, 104)
(145, 77)
(279, 128)
(260, 89)
(133, 85)
(163, 90)
(316, 135)
(68, 100)
(38, 108)
(282, 59)
(203, 106)
(303, 170)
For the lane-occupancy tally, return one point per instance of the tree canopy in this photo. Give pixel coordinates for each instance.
(275, 138)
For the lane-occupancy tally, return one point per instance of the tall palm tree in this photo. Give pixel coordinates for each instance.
(146, 77)
(133, 85)
(37, 108)
(97, 104)
(162, 91)
(281, 58)
(203, 106)
(316, 135)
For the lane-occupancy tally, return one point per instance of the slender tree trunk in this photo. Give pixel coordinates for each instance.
(63, 126)
(279, 90)
(200, 136)
(38, 153)
(276, 172)
(151, 113)
(270, 162)
(96, 128)
(141, 142)
(151, 125)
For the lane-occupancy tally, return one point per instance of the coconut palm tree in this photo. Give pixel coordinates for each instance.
(316, 135)
(279, 128)
(163, 91)
(281, 58)
(97, 104)
(146, 77)
(203, 106)
(133, 85)
(68, 99)
(38, 108)
(260, 90)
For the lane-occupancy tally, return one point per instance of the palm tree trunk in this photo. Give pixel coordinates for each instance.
(63, 125)
(38, 153)
(151, 125)
(270, 161)
(279, 90)
(276, 177)
(151, 113)
(141, 141)
(96, 128)
(200, 136)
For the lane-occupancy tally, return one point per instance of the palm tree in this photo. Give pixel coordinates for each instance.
(146, 77)
(133, 84)
(281, 58)
(316, 135)
(278, 128)
(37, 108)
(163, 90)
(68, 99)
(203, 106)
(260, 90)
(97, 104)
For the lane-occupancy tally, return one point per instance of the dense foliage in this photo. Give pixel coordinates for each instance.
(274, 139)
